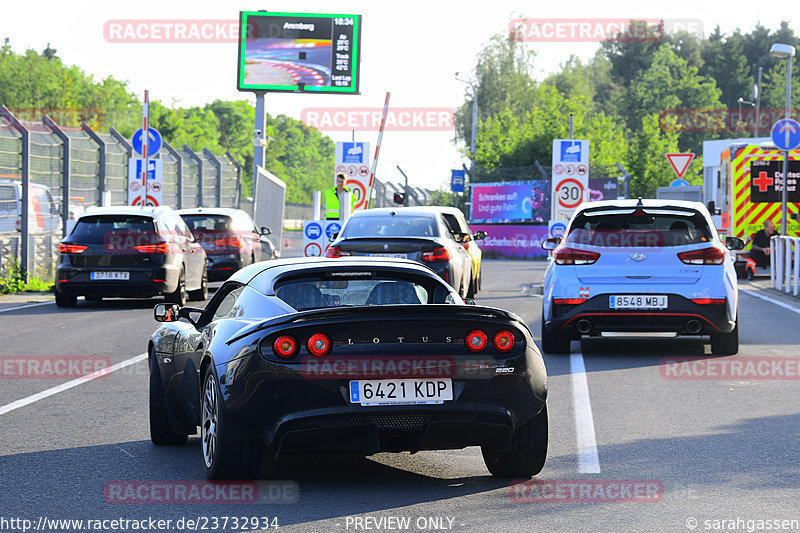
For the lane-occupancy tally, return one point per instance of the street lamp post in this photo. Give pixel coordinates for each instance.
(474, 121)
(785, 51)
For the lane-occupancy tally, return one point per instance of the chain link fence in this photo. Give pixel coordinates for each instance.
(70, 169)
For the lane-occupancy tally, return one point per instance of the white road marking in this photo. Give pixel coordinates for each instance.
(24, 306)
(768, 299)
(69, 384)
(588, 461)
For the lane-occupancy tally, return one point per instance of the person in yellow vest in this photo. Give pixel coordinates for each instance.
(332, 198)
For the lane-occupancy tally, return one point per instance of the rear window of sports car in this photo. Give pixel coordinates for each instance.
(643, 228)
(316, 292)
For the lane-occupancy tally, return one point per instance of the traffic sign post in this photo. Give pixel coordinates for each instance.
(151, 194)
(786, 136)
(457, 178)
(352, 160)
(570, 182)
(154, 144)
(313, 238)
(680, 163)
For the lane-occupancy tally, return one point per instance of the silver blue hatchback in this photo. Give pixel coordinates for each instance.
(640, 267)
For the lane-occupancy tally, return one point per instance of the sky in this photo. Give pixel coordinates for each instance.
(411, 49)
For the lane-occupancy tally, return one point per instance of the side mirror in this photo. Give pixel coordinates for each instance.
(265, 231)
(333, 237)
(479, 236)
(734, 243)
(166, 312)
(470, 301)
(551, 243)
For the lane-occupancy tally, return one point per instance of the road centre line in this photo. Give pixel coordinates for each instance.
(768, 299)
(24, 306)
(588, 461)
(70, 384)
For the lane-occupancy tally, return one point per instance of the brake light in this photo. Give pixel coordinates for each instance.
(71, 248)
(568, 301)
(160, 248)
(436, 255)
(571, 256)
(504, 341)
(235, 242)
(476, 340)
(466, 245)
(335, 251)
(706, 256)
(285, 347)
(319, 345)
(709, 301)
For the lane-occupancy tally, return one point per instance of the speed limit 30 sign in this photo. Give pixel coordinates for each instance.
(570, 181)
(569, 192)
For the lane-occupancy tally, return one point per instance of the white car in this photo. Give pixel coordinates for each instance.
(644, 267)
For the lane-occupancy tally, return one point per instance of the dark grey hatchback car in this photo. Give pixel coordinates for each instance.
(130, 252)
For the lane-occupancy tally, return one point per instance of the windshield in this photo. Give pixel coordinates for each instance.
(391, 226)
(649, 228)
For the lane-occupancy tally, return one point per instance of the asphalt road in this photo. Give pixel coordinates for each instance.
(669, 447)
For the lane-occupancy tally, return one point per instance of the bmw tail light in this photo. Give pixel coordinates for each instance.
(285, 347)
(71, 248)
(437, 255)
(705, 256)
(319, 345)
(233, 242)
(335, 251)
(571, 256)
(503, 341)
(476, 340)
(160, 248)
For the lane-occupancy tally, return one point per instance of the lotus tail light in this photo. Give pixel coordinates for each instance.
(476, 340)
(571, 256)
(335, 251)
(285, 347)
(319, 345)
(503, 341)
(705, 256)
(437, 255)
(71, 248)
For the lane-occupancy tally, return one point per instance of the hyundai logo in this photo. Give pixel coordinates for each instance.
(385, 246)
(638, 257)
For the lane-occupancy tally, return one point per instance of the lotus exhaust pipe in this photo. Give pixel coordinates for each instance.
(583, 326)
(693, 326)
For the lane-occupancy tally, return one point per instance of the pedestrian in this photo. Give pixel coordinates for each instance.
(760, 248)
(333, 197)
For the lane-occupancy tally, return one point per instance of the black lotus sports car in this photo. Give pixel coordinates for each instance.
(317, 355)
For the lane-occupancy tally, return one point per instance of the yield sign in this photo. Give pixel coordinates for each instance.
(680, 162)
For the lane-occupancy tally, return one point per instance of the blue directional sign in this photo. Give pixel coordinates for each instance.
(457, 178)
(679, 183)
(331, 228)
(153, 145)
(786, 134)
(353, 153)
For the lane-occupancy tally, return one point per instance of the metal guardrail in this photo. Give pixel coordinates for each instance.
(785, 266)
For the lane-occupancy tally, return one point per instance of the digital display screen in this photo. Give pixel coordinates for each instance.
(299, 52)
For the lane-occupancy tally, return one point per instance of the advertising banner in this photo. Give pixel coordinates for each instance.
(512, 241)
(515, 201)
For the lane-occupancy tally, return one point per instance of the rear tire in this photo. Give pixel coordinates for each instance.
(554, 342)
(201, 294)
(726, 343)
(471, 290)
(161, 433)
(179, 295)
(528, 451)
(65, 300)
(229, 451)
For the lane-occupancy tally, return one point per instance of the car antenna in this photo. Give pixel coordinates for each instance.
(639, 203)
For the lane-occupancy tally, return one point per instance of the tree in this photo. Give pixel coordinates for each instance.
(647, 162)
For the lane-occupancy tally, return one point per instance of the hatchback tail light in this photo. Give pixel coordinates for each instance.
(476, 340)
(232, 242)
(705, 256)
(709, 301)
(503, 341)
(71, 248)
(319, 345)
(160, 248)
(437, 255)
(571, 256)
(285, 347)
(335, 251)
